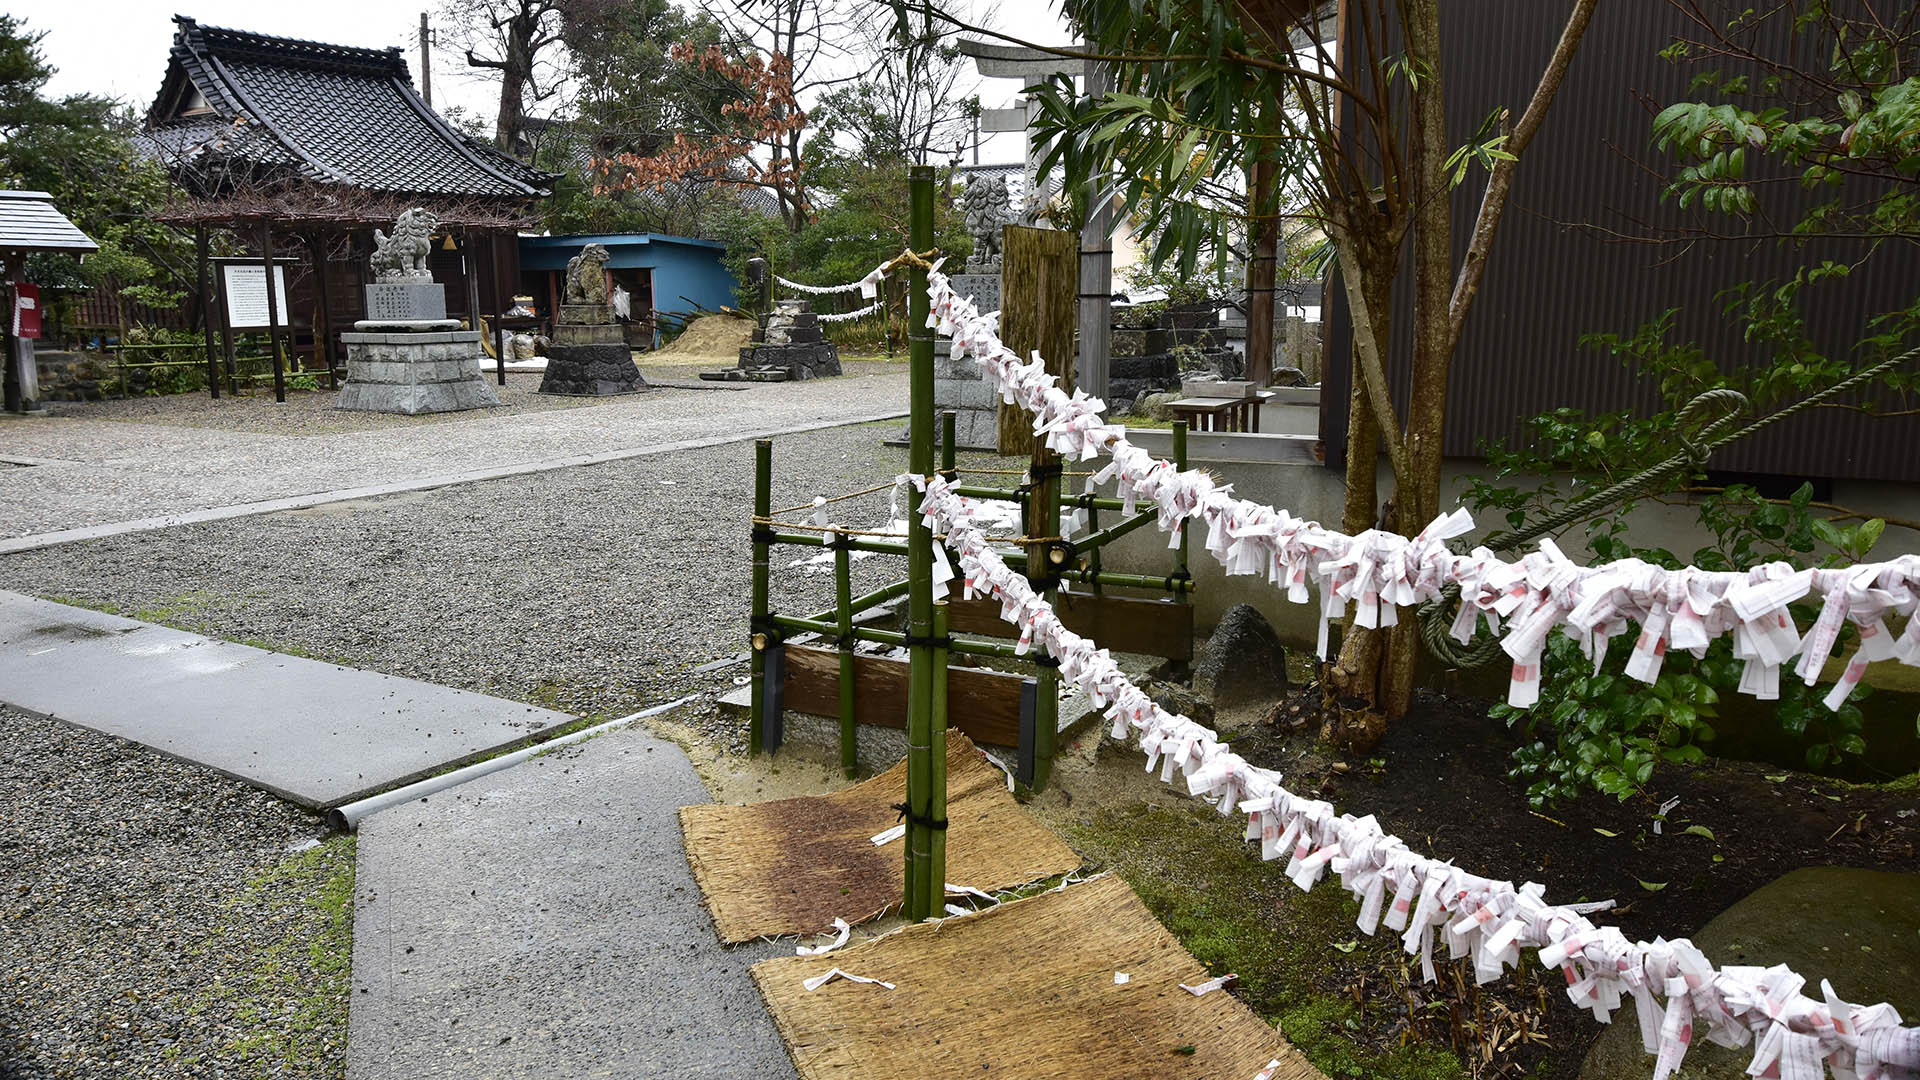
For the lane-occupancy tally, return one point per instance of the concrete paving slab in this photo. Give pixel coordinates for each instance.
(542, 922)
(314, 733)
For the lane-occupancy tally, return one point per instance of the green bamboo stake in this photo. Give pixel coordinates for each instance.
(919, 853)
(843, 602)
(1180, 462)
(758, 629)
(937, 835)
(1093, 553)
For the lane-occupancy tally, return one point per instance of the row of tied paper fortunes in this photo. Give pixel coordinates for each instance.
(1489, 921)
(867, 286)
(1382, 572)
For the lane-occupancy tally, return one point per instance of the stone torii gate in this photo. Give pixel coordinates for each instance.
(1096, 234)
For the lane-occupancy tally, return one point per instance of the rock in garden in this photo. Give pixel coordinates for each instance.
(1180, 701)
(1859, 929)
(1243, 661)
(1153, 406)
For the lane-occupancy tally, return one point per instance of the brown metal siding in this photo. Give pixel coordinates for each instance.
(1548, 282)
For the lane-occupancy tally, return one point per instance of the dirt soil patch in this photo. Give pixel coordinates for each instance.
(1438, 780)
(711, 337)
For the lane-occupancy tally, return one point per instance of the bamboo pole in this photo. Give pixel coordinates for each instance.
(866, 600)
(843, 603)
(919, 852)
(1180, 462)
(759, 628)
(793, 624)
(937, 810)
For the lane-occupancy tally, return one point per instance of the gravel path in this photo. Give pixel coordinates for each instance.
(95, 472)
(311, 412)
(153, 922)
(588, 590)
(592, 590)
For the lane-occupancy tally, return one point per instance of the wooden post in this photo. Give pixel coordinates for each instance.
(948, 421)
(1038, 287)
(206, 309)
(273, 314)
(497, 303)
(843, 606)
(923, 878)
(1261, 269)
(759, 630)
(322, 307)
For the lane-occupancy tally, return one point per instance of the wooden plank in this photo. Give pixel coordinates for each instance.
(983, 704)
(1121, 623)
(1040, 294)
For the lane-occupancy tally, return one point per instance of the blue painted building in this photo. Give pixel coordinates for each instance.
(675, 275)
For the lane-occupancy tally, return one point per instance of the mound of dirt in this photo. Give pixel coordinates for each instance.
(711, 336)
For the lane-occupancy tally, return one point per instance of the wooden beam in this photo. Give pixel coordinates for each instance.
(1121, 623)
(983, 704)
(1039, 287)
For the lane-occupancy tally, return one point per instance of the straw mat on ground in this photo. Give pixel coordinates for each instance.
(791, 866)
(1022, 990)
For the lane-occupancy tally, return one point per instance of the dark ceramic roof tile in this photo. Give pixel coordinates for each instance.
(332, 113)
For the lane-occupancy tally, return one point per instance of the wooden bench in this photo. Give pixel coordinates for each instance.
(1219, 413)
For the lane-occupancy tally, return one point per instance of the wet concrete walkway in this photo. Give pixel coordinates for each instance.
(542, 922)
(314, 733)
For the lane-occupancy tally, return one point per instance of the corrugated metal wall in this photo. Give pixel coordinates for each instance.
(1549, 281)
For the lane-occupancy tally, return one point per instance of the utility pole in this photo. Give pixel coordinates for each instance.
(426, 62)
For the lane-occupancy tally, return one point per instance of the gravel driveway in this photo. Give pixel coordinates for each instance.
(93, 472)
(591, 590)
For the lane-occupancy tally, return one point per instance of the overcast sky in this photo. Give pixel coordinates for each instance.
(118, 48)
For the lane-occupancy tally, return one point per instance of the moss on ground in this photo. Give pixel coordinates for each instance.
(291, 934)
(1296, 953)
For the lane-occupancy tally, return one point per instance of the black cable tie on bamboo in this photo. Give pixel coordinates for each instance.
(1175, 582)
(838, 540)
(911, 818)
(763, 624)
(763, 534)
(913, 641)
(1038, 471)
(1044, 660)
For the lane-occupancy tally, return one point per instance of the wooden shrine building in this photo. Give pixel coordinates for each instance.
(295, 151)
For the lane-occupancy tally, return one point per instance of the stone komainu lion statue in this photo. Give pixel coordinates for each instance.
(985, 207)
(403, 256)
(586, 276)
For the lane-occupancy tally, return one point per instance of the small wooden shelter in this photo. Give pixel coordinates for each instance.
(29, 223)
(300, 149)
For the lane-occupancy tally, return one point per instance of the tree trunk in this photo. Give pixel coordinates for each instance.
(1374, 677)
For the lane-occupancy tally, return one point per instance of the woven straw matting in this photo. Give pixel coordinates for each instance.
(791, 866)
(1022, 990)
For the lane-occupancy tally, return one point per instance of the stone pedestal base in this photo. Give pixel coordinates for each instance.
(595, 370)
(599, 330)
(412, 374)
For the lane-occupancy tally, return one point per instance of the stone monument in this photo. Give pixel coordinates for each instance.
(960, 385)
(589, 356)
(406, 356)
(787, 346)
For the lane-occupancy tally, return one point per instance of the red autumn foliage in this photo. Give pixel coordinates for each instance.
(765, 116)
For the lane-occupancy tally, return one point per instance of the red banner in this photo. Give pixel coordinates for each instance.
(26, 310)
